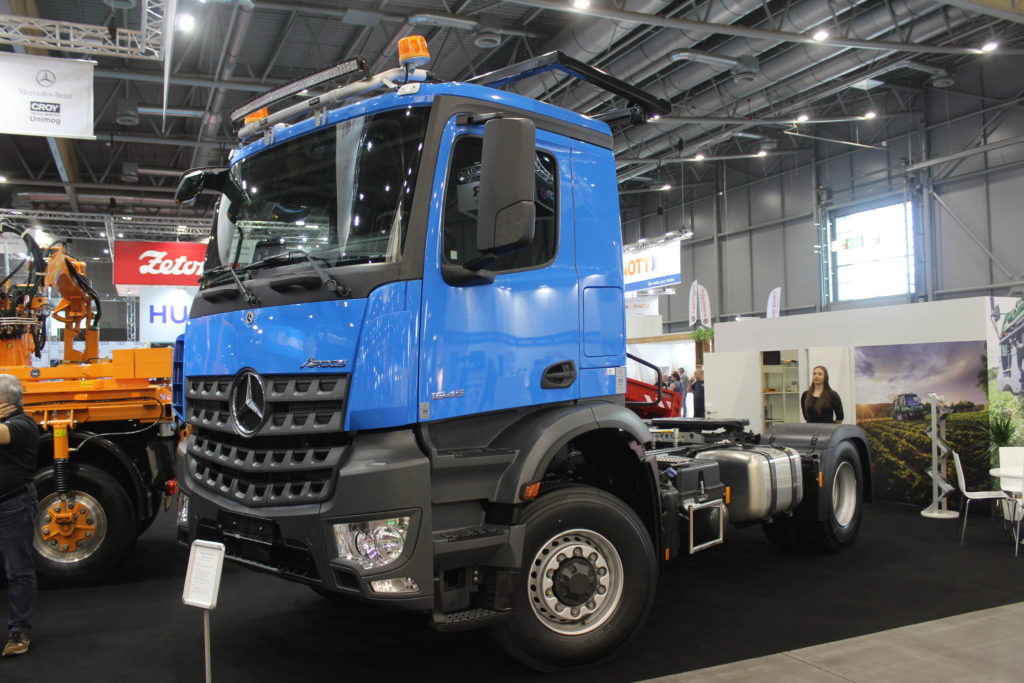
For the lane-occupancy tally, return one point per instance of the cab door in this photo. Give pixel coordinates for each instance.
(515, 341)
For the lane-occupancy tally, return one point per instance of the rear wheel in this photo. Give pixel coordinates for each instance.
(587, 584)
(84, 534)
(844, 489)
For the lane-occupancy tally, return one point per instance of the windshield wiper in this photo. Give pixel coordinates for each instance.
(249, 297)
(326, 280)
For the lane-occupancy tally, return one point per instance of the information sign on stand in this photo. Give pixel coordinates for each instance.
(202, 584)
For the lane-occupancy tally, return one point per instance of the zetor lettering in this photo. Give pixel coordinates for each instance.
(157, 264)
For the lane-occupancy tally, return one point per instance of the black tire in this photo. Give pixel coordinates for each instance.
(844, 491)
(608, 577)
(82, 561)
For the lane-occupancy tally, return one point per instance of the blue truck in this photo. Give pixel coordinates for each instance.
(403, 376)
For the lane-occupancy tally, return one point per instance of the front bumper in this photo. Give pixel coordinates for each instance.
(380, 475)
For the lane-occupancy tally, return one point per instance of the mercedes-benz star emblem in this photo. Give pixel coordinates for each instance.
(45, 78)
(249, 317)
(248, 403)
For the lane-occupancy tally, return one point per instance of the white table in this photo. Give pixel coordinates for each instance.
(1011, 481)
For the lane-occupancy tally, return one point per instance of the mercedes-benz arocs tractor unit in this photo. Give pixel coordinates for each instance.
(403, 375)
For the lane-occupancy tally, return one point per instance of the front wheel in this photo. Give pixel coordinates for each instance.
(587, 583)
(81, 537)
(844, 490)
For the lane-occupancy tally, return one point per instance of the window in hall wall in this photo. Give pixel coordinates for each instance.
(873, 252)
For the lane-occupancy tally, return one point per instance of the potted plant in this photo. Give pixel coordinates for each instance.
(702, 337)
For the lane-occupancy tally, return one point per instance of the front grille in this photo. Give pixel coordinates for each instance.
(290, 460)
(295, 404)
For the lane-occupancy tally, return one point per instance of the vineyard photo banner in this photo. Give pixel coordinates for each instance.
(893, 384)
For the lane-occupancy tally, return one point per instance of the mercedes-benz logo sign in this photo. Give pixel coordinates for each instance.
(249, 317)
(45, 78)
(248, 403)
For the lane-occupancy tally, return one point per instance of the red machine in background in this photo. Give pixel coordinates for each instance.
(106, 458)
(651, 401)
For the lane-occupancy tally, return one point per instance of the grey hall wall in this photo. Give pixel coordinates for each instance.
(756, 222)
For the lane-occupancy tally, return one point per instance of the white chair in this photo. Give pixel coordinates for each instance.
(972, 495)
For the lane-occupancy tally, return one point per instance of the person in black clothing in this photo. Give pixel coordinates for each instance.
(697, 389)
(19, 444)
(820, 403)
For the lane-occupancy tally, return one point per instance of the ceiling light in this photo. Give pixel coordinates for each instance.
(666, 186)
(120, 235)
(802, 118)
(654, 117)
(762, 153)
(990, 46)
(820, 34)
(699, 156)
(581, 4)
(106, 251)
(3, 179)
(186, 22)
(870, 114)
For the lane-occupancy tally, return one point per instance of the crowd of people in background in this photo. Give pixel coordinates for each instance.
(680, 382)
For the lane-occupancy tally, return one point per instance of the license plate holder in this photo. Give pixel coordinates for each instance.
(248, 537)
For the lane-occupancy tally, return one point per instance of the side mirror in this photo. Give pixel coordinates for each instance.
(193, 182)
(506, 213)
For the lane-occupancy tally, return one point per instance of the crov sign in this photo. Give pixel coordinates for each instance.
(158, 263)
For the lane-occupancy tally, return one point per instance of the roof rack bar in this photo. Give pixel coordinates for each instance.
(648, 103)
(272, 97)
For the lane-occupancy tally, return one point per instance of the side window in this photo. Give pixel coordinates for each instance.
(460, 205)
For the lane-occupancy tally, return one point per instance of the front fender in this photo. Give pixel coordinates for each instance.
(540, 436)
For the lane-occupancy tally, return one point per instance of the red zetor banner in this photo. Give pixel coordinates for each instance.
(158, 263)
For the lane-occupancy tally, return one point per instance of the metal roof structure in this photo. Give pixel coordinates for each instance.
(738, 73)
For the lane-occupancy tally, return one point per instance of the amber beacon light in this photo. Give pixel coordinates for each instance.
(412, 51)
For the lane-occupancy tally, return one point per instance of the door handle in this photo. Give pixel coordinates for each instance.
(558, 375)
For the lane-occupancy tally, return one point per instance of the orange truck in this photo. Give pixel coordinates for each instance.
(106, 459)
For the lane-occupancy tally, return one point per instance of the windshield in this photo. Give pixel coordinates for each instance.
(341, 195)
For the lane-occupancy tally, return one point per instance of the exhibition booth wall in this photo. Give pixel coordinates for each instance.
(885, 363)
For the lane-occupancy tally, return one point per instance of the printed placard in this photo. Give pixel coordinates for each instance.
(46, 96)
(202, 580)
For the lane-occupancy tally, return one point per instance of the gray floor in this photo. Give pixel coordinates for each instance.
(979, 646)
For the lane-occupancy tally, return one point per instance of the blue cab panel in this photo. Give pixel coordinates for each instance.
(178, 378)
(278, 340)
(485, 347)
(599, 264)
(383, 389)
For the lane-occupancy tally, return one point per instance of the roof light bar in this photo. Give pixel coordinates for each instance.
(305, 83)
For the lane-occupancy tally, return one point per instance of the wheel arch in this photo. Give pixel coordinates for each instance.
(103, 453)
(608, 437)
(822, 443)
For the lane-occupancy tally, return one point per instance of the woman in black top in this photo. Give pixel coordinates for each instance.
(820, 403)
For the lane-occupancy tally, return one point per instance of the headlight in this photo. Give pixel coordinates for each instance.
(372, 544)
(182, 508)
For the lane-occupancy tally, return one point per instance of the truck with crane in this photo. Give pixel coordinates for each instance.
(106, 460)
(404, 373)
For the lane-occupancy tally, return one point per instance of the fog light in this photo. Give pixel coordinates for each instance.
(372, 544)
(401, 584)
(182, 508)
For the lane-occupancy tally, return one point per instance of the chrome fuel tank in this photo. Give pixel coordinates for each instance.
(762, 480)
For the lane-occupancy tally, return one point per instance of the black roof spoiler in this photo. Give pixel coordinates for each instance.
(641, 104)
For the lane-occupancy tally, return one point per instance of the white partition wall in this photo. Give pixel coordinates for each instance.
(732, 386)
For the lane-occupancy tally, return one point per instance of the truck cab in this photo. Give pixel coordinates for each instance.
(404, 372)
